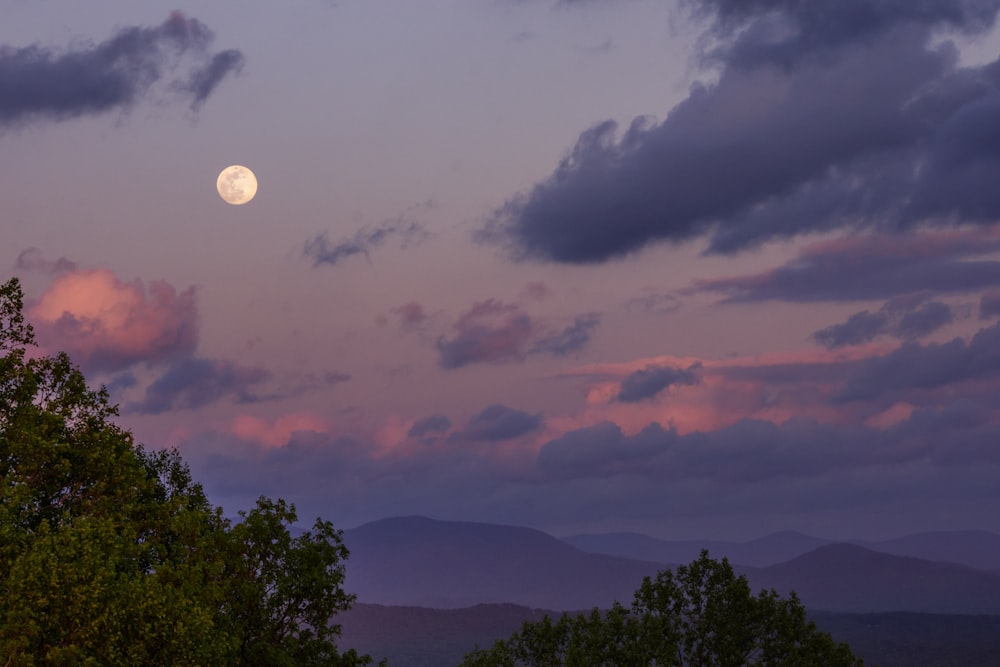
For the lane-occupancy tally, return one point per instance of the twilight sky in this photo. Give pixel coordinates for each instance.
(696, 268)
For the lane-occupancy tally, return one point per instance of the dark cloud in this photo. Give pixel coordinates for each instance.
(780, 31)
(571, 339)
(925, 367)
(37, 82)
(499, 422)
(32, 259)
(989, 305)
(871, 267)
(493, 331)
(650, 381)
(404, 228)
(902, 318)
(204, 80)
(826, 115)
(489, 332)
(923, 320)
(433, 425)
(859, 328)
(193, 383)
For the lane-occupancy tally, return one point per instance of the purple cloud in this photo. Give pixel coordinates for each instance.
(650, 381)
(489, 332)
(871, 267)
(819, 120)
(36, 82)
(902, 318)
(571, 339)
(925, 367)
(193, 383)
(499, 422)
(429, 426)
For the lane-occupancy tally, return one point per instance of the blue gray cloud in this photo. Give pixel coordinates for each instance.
(832, 114)
(38, 82)
(652, 380)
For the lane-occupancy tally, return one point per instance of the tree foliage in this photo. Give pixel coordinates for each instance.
(112, 555)
(702, 615)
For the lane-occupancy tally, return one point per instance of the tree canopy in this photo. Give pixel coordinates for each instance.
(111, 554)
(702, 615)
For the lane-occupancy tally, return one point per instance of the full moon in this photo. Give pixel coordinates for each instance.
(236, 184)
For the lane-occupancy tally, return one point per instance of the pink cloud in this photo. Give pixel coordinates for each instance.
(277, 432)
(106, 324)
(489, 332)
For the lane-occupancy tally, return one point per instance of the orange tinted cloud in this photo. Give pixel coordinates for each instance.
(104, 323)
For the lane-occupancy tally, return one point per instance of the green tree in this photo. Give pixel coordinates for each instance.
(111, 554)
(702, 615)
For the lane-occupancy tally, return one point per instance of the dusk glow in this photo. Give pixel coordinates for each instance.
(692, 268)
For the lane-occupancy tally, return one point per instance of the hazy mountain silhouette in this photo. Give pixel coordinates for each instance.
(423, 562)
(768, 550)
(447, 564)
(975, 548)
(850, 578)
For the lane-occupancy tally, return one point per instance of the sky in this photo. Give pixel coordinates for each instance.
(693, 268)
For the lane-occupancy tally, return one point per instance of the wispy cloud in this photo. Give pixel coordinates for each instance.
(408, 232)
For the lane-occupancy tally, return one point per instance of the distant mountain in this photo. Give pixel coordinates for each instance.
(975, 548)
(768, 550)
(447, 564)
(850, 578)
(417, 561)
(421, 637)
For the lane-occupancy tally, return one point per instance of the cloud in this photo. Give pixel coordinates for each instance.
(320, 250)
(826, 115)
(571, 339)
(859, 328)
(905, 318)
(654, 303)
(411, 315)
(105, 324)
(38, 82)
(204, 80)
(872, 267)
(490, 331)
(923, 320)
(194, 383)
(989, 305)
(499, 422)
(650, 381)
(493, 331)
(925, 367)
(429, 426)
(754, 450)
(32, 259)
